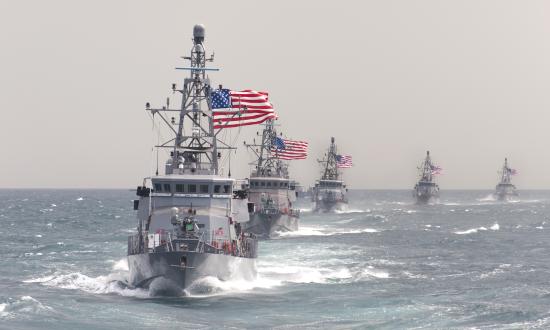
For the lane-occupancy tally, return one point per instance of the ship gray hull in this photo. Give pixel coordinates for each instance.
(505, 191)
(426, 198)
(426, 192)
(266, 226)
(164, 274)
(505, 196)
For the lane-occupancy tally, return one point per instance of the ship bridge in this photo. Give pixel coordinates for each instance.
(330, 184)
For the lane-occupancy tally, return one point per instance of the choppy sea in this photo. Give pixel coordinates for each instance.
(466, 262)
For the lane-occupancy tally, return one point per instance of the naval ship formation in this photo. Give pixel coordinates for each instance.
(194, 221)
(190, 221)
(505, 190)
(426, 190)
(329, 192)
(271, 190)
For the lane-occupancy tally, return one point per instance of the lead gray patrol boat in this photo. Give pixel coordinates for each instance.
(426, 190)
(189, 219)
(505, 190)
(270, 190)
(329, 192)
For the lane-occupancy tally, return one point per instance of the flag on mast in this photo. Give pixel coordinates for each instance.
(240, 108)
(436, 170)
(289, 149)
(343, 161)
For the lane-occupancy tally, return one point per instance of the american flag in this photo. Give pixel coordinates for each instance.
(436, 170)
(343, 161)
(289, 149)
(240, 108)
(512, 171)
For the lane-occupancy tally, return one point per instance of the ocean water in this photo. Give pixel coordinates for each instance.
(465, 262)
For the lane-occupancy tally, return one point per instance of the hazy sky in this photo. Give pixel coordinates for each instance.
(468, 80)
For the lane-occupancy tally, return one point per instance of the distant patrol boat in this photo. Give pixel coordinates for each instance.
(270, 187)
(426, 190)
(505, 190)
(329, 192)
(190, 219)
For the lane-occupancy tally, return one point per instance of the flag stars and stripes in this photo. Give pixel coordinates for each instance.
(240, 108)
(289, 149)
(344, 161)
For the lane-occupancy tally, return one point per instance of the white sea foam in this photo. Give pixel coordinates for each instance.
(121, 264)
(372, 272)
(302, 274)
(24, 307)
(370, 230)
(488, 198)
(346, 211)
(268, 277)
(303, 231)
(344, 221)
(111, 283)
(80, 199)
(495, 226)
(316, 231)
(210, 285)
(2, 310)
(470, 231)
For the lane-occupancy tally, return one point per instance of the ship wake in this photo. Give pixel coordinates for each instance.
(114, 283)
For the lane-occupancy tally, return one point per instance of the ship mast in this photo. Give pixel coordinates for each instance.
(195, 153)
(267, 163)
(506, 177)
(330, 168)
(426, 168)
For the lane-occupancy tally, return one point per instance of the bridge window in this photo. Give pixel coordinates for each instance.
(192, 188)
(227, 189)
(217, 189)
(158, 187)
(263, 183)
(203, 189)
(268, 184)
(167, 187)
(179, 188)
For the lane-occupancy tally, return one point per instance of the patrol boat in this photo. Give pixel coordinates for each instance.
(505, 190)
(426, 190)
(270, 189)
(329, 192)
(189, 221)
